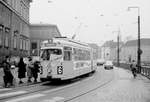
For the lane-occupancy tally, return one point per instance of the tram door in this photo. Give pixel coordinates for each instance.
(68, 64)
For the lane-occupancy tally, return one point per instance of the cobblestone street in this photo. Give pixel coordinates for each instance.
(124, 88)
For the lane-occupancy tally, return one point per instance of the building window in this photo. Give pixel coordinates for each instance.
(15, 42)
(33, 45)
(24, 44)
(20, 43)
(28, 45)
(6, 39)
(1, 32)
(15, 39)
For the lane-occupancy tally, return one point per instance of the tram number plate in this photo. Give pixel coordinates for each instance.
(59, 70)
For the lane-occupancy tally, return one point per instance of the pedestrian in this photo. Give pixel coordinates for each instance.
(29, 69)
(21, 70)
(35, 70)
(133, 68)
(8, 77)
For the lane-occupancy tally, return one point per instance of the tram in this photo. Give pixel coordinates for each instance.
(64, 58)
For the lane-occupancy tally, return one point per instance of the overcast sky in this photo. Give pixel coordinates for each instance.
(93, 21)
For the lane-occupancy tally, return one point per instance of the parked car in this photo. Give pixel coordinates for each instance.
(108, 65)
(100, 62)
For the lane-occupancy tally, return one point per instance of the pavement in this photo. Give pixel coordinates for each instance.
(16, 79)
(124, 88)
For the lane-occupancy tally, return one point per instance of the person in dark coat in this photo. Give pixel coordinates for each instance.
(21, 70)
(8, 77)
(35, 70)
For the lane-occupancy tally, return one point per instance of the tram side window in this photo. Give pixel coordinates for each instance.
(67, 55)
(80, 54)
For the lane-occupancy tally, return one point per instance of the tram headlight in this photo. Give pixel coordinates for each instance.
(59, 70)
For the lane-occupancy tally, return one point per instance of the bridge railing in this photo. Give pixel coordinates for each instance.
(145, 70)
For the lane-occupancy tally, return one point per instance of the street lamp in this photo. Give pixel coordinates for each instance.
(139, 51)
(118, 47)
(118, 44)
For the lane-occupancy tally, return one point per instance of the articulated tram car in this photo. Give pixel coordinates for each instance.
(63, 58)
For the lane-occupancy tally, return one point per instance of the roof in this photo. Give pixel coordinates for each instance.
(43, 25)
(110, 43)
(44, 31)
(144, 41)
(93, 45)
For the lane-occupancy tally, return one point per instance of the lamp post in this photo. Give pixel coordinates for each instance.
(139, 51)
(118, 47)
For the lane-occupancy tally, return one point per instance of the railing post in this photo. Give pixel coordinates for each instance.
(149, 72)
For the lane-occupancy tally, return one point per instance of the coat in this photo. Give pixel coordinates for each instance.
(8, 77)
(29, 69)
(35, 70)
(21, 70)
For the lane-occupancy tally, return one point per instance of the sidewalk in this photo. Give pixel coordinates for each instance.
(124, 88)
(16, 82)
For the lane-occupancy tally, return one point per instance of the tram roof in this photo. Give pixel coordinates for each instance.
(71, 41)
(67, 41)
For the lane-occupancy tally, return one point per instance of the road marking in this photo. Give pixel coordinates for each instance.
(48, 100)
(54, 99)
(6, 89)
(12, 93)
(26, 98)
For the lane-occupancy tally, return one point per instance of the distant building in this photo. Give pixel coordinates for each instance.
(96, 47)
(14, 28)
(106, 49)
(109, 50)
(129, 51)
(40, 32)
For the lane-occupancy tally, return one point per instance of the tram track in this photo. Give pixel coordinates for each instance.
(50, 87)
(89, 91)
(53, 89)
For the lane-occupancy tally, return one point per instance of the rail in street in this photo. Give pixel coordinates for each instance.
(50, 88)
(116, 85)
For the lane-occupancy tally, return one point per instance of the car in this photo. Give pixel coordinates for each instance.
(108, 65)
(100, 62)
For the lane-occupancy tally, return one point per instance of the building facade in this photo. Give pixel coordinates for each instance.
(41, 32)
(109, 50)
(129, 51)
(96, 48)
(14, 28)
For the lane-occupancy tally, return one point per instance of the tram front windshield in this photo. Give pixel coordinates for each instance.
(46, 53)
